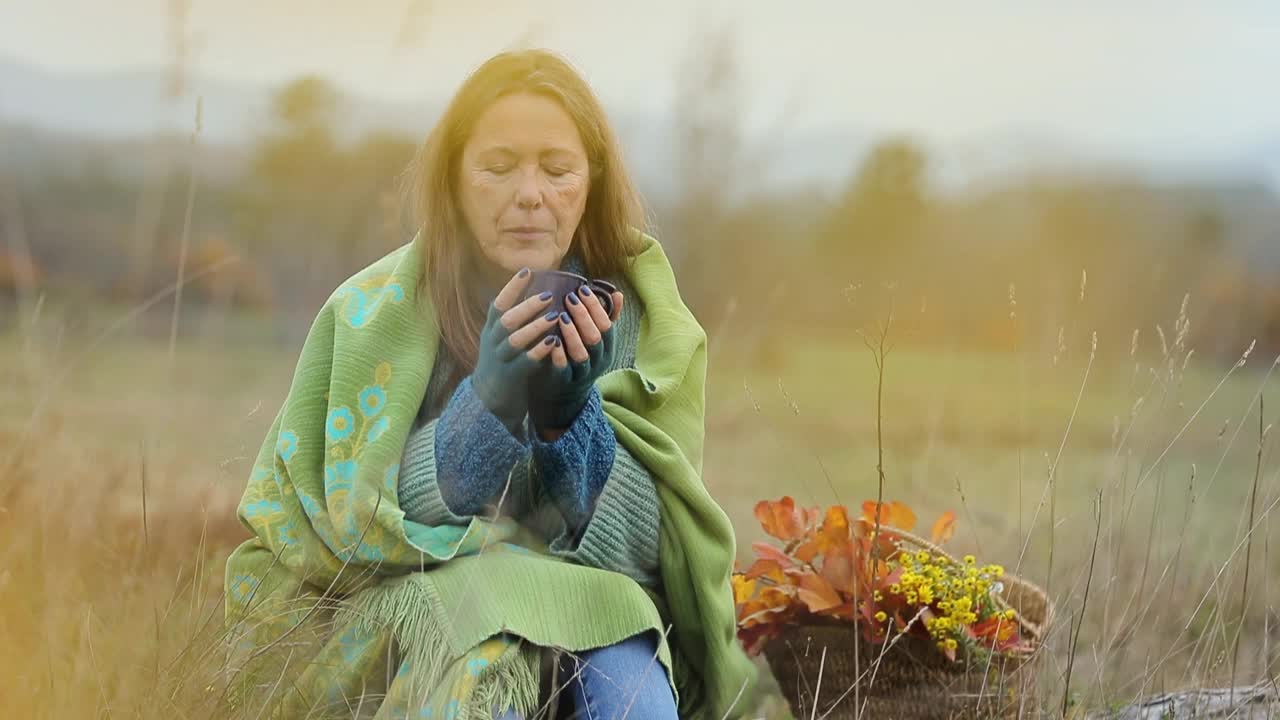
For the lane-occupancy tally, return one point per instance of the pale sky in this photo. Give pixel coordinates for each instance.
(1142, 79)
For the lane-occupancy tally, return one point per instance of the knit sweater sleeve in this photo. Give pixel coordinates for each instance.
(622, 534)
(457, 465)
(607, 498)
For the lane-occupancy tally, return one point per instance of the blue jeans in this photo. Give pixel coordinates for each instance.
(625, 680)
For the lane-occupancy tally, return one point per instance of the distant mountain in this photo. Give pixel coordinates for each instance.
(62, 119)
(132, 103)
(121, 104)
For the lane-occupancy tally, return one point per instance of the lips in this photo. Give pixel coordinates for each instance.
(527, 233)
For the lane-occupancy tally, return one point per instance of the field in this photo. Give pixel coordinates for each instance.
(122, 465)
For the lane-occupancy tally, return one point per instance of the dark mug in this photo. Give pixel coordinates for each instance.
(561, 283)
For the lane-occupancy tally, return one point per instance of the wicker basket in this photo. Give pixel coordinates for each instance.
(908, 678)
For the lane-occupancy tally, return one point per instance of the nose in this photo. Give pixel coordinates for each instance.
(528, 192)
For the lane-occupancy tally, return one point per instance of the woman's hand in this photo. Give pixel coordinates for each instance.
(560, 392)
(510, 349)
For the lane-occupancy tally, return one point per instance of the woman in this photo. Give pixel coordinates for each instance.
(458, 513)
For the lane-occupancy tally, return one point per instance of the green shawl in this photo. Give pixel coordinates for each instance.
(338, 600)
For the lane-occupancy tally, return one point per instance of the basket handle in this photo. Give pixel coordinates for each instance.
(913, 538)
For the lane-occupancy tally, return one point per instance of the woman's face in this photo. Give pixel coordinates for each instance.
(523, 183)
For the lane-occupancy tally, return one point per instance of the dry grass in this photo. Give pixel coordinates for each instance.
(117, 500)
(118, 486)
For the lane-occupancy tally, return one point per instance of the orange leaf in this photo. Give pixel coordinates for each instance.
(744, 588)
(995, 627)
(837, 569)
(817, 594)
(807, 551)
(769, 552)
(771, 601)
(835, 529)
(893, 514)
(812, 516)
(781, 518)
(768, 569)
(755, 613)
(885, 577)
(944, 528)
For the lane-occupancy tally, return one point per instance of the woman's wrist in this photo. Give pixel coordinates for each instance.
(554, 421)
(551, 434)
(561, 411)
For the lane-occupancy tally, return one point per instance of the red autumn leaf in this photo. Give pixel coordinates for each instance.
(780, 518)
(868, 609)
(892, 514)
(997, 632)
(754, 638)
(944, 528)
(844, 611)
(817, 594)
(769, 552)
(1016, 644)
(886, 577)
(986, 628)
(837, 569)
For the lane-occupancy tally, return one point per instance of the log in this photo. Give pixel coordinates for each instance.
(1257, 702)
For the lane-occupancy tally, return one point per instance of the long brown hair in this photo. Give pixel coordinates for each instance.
(606, 238)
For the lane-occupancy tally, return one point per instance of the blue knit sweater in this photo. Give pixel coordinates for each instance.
(584, 492)
(475, 457)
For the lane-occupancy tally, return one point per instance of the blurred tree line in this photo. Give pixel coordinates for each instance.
(992, 268)
(1038, 262)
